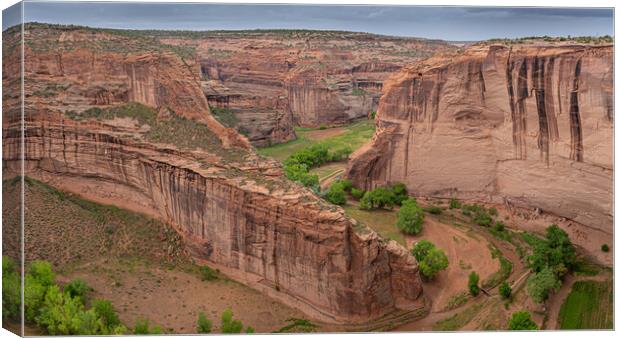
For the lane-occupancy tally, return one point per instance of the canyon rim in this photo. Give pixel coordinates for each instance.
(304, 180)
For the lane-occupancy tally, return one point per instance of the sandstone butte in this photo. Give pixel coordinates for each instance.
(164, 154)
(527, 126)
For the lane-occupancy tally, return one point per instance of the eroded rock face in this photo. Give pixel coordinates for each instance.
(234, 209)
(273, 81)
(529, 125)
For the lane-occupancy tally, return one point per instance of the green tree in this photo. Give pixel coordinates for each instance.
(474, 278)
(142, 327)
(34, 295)
(522, 320)
(204, 325)
(58, 312)
(540, 284)
(556, 252)
(421, 249)
(11, 289)
(399, 190)
(336, 194)
(410, 217)
(505, 291)
(42, 272)
(78, 288)
(605, 248)
(435, 261)
(229, 325)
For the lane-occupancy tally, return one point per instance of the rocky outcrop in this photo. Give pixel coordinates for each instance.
(529, 125)
(274, 80)
(169, 158)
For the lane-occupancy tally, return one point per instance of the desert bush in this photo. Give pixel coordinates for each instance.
(521, 320)
(77, 288)
(105, 310)
(208, 274)
(410, 217)
(605, 248)
(454, 204)
(204, 325)
(474, 288)
(230, 325)
(505, 291)
(142, 326)
(434, 209)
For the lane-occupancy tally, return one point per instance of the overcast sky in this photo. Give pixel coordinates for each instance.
(447, 23)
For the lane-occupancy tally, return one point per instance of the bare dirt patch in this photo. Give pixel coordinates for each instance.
(173, 298)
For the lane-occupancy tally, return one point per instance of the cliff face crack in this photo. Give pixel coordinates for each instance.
(538, 75)
(576, 153)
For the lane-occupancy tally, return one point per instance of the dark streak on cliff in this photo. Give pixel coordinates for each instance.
(576, 153)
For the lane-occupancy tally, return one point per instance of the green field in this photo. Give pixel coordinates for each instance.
(355, 136)
(588, 306)
(381, 221)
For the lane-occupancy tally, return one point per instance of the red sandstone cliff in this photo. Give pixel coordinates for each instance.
(530, 126)
(168, 157)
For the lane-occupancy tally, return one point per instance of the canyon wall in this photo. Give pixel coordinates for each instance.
(529, 126)
(274, 80)
(132, 128)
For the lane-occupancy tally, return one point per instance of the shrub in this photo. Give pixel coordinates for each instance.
(435, 261)
(474, 278)
(410, 217)
(77, 288)
(556, 252)
(42, 272)
(483, 219)
(34, 295)
(229, 325)
(208, 274)
(505, 290)
(435, 210)
(322, 127)
(421, 249)
(105, 310)
(522, 320)
(357, 193)
(336, 194)
(399, 190)
(142, 327)
(373, 114)
(11, 289)
(454, 203)
(493, 211)
(204, 325)
(58, 312)
(540, 284)
(498, 226)
(340, 154)
(605, 248)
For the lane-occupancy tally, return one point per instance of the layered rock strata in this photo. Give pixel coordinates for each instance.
(528, 125)
(134, 129)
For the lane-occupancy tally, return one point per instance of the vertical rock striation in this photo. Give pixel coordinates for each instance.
(527, 125)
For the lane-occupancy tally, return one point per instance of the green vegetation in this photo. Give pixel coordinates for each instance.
(230, 325)
(410, 217)
(337, 192)
(208, 274)
(540, 284)
(176, 130)
(434, 209)
(225, 116)
(505, 268)
(297, 325)
(605, 248)
(357, 193)
(354, 136)
(384, 197)
(204, 325)
(373, 114)
(478, 213)
(54, 310)
(430, 259)
(142, 326)
(454, 203)
(505, 291)
(472, 284)
(297, 166)
(551, 259)
(588, 306)
(358, 92)
(522, 320)
(381, 221)
(11, 290)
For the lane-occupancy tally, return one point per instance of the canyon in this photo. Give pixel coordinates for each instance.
(523, 126)
(127, 124)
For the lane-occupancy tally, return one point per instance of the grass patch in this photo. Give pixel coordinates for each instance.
(355, 136)
(458, 320)
(588, 306)
(225, 116)
(381, 221)
(457, 300)
(297, 325)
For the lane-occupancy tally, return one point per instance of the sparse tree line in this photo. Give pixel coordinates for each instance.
(68, 309)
